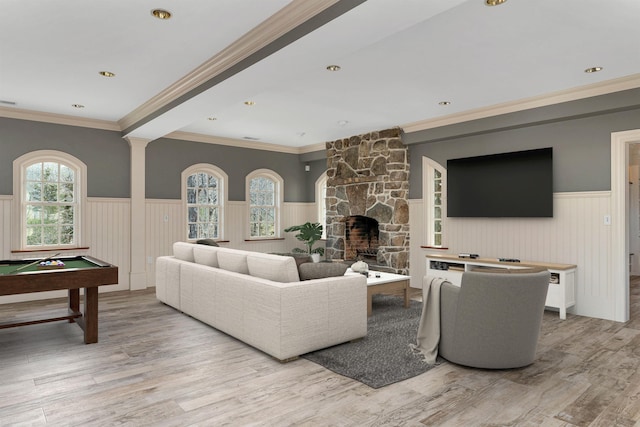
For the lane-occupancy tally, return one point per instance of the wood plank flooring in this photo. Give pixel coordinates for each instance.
(156, 367)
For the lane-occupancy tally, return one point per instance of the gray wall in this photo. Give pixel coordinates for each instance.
(167, 158)
(581, 148)
(105, 153)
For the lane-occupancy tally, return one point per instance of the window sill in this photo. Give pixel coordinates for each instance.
(26, 251)
(434, 247)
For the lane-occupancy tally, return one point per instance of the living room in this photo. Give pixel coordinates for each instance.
(133, 208)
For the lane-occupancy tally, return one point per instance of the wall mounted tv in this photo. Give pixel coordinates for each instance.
(517, 184)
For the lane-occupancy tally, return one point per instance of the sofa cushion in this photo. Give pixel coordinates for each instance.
(273, 267)
(320, 270)
(233, 260)
(206, 255)
(183, 251)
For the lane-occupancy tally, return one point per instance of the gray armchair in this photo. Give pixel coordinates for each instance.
(492, 320)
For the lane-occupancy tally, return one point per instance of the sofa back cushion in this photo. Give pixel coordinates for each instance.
(206, 255)
(273, 267)
(233, 260)
(183, 251)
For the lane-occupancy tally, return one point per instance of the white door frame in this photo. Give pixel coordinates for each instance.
(619, 257)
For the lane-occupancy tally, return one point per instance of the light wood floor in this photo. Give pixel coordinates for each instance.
(154, 366)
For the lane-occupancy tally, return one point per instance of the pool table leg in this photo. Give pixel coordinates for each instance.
(74, 302)
(90, 315)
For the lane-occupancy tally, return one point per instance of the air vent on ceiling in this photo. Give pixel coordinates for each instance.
(2, 101)
(250, 138)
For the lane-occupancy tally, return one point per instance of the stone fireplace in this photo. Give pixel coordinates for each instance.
(367, 209)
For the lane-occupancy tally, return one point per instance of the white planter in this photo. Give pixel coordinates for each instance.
(315, 257)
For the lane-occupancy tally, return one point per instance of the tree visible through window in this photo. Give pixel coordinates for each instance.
(321, 202)
(50, 204)
(203, 206)
(262, 207)
(434, 190)
(437, 208)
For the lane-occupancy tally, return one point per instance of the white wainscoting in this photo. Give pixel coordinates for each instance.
(161, 234)
(5, 226)
(108, 235)
(575, 235)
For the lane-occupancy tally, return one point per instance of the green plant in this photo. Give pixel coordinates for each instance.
(309, 233)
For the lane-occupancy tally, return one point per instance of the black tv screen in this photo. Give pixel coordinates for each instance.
(517, 184)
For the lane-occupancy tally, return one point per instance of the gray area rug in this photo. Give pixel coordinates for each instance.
(384, 356)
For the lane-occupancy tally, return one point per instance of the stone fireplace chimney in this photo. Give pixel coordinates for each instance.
(367, 209)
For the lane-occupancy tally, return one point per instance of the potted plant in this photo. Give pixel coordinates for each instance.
(309, 233)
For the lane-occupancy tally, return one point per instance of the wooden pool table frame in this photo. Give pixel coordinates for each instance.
(71, 279)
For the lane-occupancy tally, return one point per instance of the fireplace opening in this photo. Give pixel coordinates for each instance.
(361, 239)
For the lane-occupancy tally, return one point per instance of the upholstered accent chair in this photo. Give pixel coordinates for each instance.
(493, 319)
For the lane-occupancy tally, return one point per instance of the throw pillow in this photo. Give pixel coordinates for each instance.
(320, 270)
(208, 242)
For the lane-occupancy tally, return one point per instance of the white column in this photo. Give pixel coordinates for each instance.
(137, 273)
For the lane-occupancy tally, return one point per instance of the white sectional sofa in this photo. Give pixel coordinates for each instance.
(259, 299)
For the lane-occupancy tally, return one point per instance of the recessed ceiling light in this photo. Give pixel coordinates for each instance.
(161, 14)
(494, 2)
(593, 70)
(107, 74)
(212, 118)
(77, 105)
(444, 103)
(249, 103)
(333, 67)
(343, 122)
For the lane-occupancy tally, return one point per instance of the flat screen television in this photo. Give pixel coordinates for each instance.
(517, 184)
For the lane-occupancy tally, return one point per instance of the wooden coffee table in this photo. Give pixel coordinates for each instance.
(387, 283)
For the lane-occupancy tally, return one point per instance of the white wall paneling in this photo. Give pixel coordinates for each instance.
(164, 219)
(575, 235)
(5, 226)
(161, 234)
(109, 236)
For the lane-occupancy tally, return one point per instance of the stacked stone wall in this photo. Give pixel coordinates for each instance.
(369, 175)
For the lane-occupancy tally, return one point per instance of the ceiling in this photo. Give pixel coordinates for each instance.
(399, 59)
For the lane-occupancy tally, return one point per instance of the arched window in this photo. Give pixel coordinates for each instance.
(434, 196)
(264, 194)
(204, 195)
(50, 191)
(321, 202)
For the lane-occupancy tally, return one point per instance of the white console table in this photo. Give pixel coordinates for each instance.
(561, 294)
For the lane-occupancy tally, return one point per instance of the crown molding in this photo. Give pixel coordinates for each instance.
(602, 88)
(254, 145)
(286, 19)
(322, 146)
(59, 119)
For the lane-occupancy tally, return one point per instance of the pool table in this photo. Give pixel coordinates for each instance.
(18, 277)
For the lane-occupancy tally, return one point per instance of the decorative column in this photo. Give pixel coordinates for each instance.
(137, 272)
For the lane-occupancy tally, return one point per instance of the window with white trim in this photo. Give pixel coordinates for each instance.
(434, 196)
(264, 194)
(321, 202)
(50, 189)
(204, 196)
